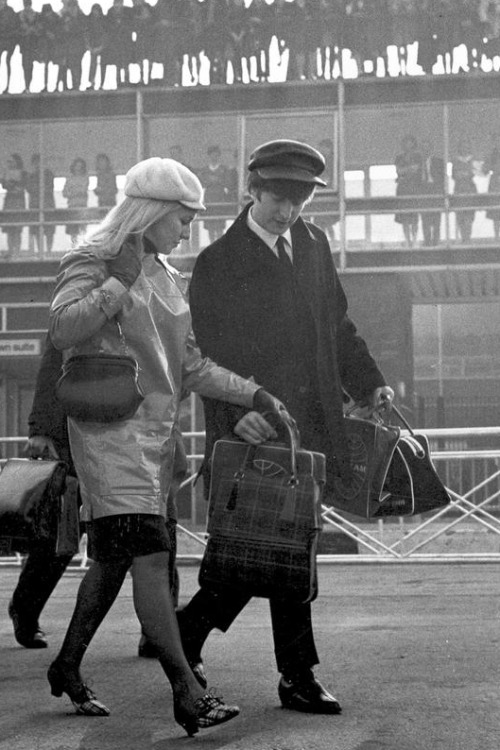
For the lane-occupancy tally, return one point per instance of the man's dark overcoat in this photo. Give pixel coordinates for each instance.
(243, 320)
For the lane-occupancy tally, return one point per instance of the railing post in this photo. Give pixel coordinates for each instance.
(446, 157)
(341, 168)
(440, 412)
(139, 115)
(421, 411)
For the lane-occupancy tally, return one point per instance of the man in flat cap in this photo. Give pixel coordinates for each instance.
(266, 302)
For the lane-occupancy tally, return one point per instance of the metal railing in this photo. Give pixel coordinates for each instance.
(467, 529)
(328, 209)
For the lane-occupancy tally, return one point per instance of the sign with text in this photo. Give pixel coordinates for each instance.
(20, 348)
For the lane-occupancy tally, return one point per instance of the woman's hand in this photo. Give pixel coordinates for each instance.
(41, 446)
(255, 429)
(126, 266)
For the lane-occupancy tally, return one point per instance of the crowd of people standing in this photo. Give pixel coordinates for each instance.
(32, 189)
(169, 39)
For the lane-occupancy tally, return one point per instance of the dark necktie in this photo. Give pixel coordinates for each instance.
(283, 256)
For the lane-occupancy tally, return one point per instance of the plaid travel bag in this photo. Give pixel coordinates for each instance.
(264, 518)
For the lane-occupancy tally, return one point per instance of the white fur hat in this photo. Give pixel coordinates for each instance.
(164, 180)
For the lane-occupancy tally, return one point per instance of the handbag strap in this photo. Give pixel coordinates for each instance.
(402, 419)
(121, 335)
(376, 413)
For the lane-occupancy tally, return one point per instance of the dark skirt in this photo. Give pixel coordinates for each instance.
(129, 535)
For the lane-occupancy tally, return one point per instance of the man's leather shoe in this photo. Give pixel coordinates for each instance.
(27, 634)
(307, 694)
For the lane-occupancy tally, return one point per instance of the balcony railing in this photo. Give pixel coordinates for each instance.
(354, 225)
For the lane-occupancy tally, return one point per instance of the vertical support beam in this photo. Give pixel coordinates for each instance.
(242, 136)
(41, 192)
(139, 117)
(446, 157)
(367, 194)
(340, 148)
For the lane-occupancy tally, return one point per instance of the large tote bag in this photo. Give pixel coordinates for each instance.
(264, 518)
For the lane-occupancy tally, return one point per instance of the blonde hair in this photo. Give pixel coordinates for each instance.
(131, 218)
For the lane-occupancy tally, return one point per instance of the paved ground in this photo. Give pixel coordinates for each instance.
(412, 651)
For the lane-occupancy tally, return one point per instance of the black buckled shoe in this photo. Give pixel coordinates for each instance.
(27, 634)
(305, 693)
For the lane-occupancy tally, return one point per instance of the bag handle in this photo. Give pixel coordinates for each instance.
(402, 419)
(377, 413)
(293, 439)
(288, 511)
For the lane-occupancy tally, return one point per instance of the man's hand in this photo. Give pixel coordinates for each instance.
(40, 446)
(126, 266)
(380, 399)
(255, 429)
(383, 397)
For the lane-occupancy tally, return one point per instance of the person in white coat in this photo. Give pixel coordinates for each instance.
(117, 290)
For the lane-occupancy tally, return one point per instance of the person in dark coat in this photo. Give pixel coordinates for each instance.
(43, 568)
(433, 183)
(29, 21)
(279, 314)
(215, 178)
(48, 37)
(462, 173)
(13, 181)
(118, 48)
(408, 165)
(9, 38)
(95, 36)
(73, 28)
(36, 184)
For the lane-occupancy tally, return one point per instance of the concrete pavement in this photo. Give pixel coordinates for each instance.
(412, 651)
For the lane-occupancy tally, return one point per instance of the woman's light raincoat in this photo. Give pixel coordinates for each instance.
(126, 467)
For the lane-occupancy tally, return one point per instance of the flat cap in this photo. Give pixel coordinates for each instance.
(164, 180)
(288, 160)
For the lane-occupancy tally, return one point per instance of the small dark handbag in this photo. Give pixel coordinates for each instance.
(264, 518)
(100, 386)
(30, 493)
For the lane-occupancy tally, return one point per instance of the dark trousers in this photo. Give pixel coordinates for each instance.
(41, 573)
(294, 645)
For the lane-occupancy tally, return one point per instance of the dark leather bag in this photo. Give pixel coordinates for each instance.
(393, 474)
(30, 501)
(100, 387)
(370, 446)
(264, 518)
(412, 485)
